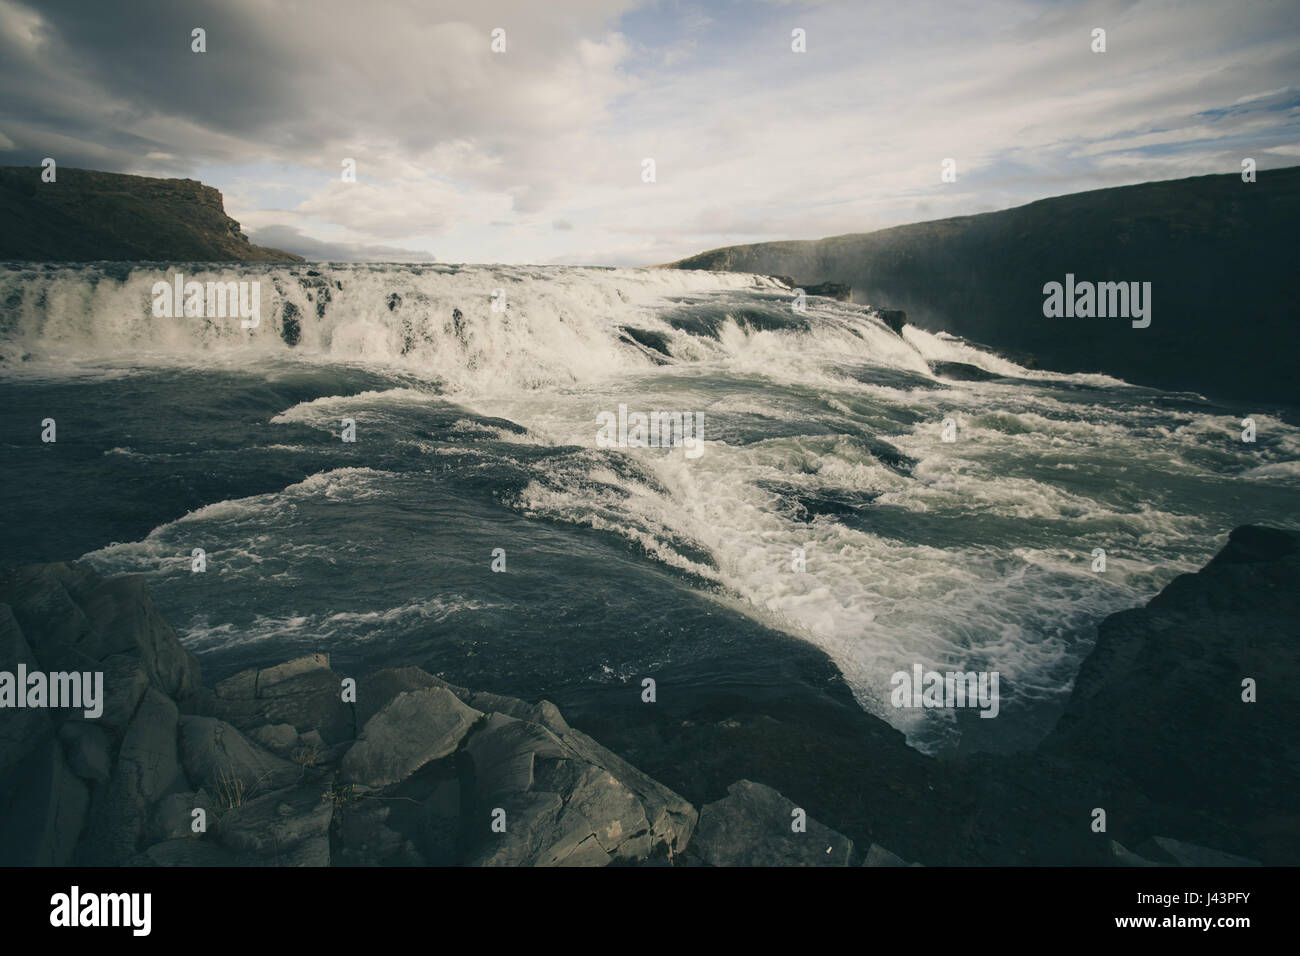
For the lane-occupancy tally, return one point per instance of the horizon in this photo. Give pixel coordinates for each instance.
(534, 154)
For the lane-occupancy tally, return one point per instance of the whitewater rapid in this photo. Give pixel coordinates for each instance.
(826, 502)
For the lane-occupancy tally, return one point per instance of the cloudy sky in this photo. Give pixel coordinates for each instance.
(535, 154)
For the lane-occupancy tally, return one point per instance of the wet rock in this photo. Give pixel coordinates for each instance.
(962, 372)
(894, 318)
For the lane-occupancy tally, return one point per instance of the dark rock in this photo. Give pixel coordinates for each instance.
(228, 765)
(894, 318)
(415, 727)
(277, 822)
(290, 324)
(306, 696)
(752, 826)
(268, 678)
(879, 856)
(1188, 854)
(1160, 700)
(831, 290)
(88, 749)
(43, 606)
(655, 341)
(147, 768)
(20, 729)
(1122, 856)
(43, 809)
(173, 816)
(503, 752)
(188, 851)
(241, 685)
(126, 678)
(962, 372)
(378, 690)
(567, 801)
(280, 739)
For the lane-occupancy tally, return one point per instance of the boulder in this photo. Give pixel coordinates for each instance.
(878, 856)
(962, 372)
(672, 819)
(275, 823)
(228, 765)
(44, 605)
(173, 816)
(412, 729)
(88, 749)
(147, 768)
(126, 678)
(270, 677)
(280, 739)
(566, 800)
(894, 318)
(503, 752)
(125, 620)
(1219, 768)
(43, 809)
(21, 729)
(376, 691)
(751, 826)
(832, 290)
(304, 695)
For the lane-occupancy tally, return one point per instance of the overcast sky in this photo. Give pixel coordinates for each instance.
(536, 154)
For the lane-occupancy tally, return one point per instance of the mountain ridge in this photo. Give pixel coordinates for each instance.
(1217, 251)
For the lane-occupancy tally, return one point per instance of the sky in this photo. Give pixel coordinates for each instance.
(537, 153)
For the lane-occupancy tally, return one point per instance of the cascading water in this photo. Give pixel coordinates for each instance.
(825, 502)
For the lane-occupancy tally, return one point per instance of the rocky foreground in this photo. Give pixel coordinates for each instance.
(296, 765)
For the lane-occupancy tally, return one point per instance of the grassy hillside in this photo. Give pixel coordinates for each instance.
(86, 216)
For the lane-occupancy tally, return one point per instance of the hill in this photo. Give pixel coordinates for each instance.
(89, 216)
(1220, 254)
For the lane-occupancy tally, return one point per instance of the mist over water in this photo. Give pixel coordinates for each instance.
(477, 429)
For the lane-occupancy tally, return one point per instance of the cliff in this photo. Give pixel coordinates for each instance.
(88, 216)
(1219, 253)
